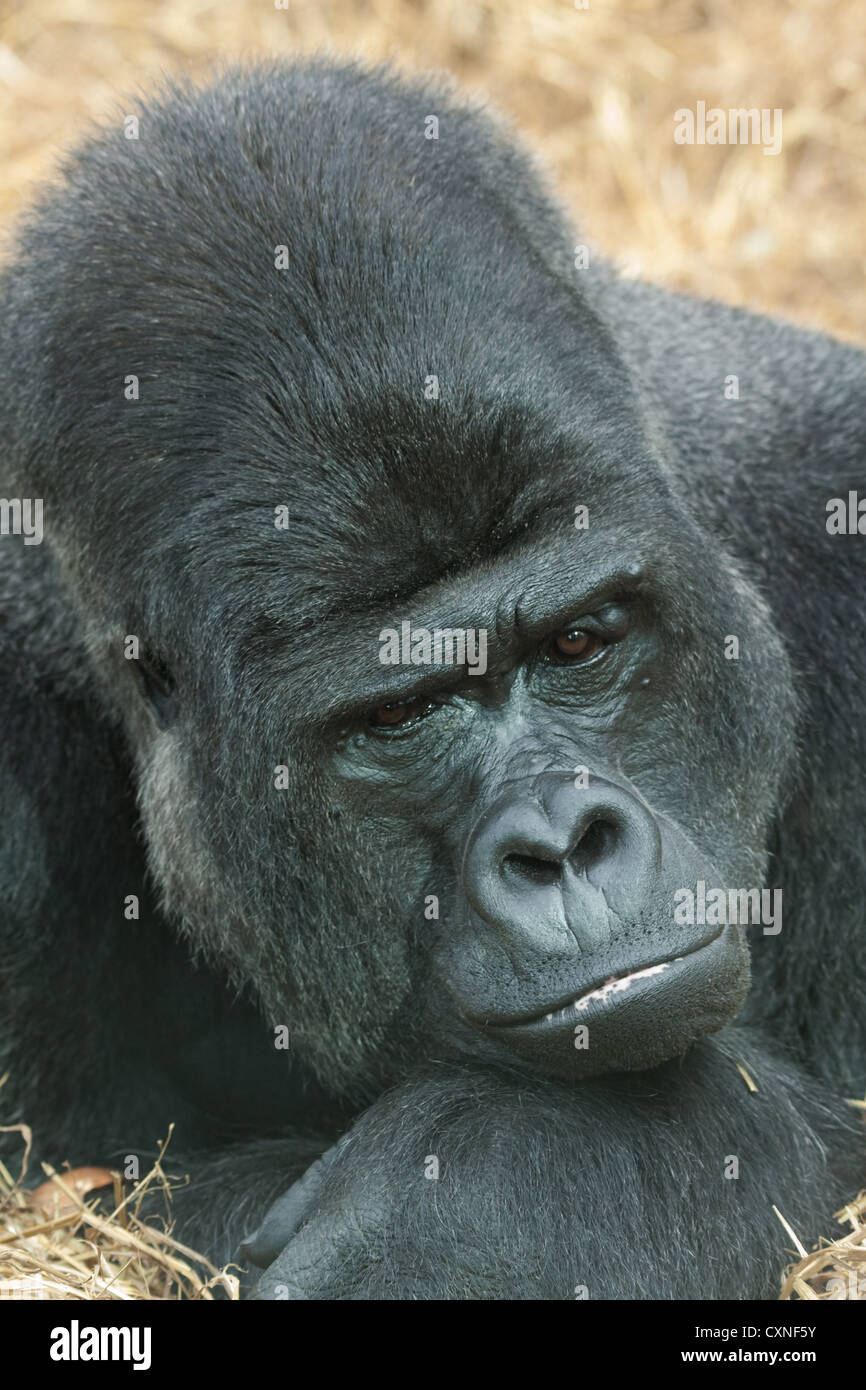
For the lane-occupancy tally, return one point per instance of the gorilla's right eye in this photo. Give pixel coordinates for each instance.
(398, 713)
(574, 644)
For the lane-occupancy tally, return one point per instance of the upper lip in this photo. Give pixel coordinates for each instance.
(513, 1020)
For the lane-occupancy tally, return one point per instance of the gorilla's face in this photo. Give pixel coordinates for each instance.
(566, 795)
(431, 860)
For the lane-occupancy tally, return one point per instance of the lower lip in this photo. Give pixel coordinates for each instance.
(605, 993)
(598, 1003)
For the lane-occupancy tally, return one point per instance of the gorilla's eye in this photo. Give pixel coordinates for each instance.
(575, 644)
(399, 713)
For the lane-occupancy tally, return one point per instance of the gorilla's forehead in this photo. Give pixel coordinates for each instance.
(395, 506)
(418, 506)
(388, 491)
(386, 516)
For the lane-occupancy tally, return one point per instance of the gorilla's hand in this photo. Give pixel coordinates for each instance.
(370, 1218)
(475, 1184)
(307, 1235)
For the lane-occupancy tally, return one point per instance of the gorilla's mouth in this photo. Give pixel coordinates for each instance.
(637, 1018)
(602, 992)
(615, 984)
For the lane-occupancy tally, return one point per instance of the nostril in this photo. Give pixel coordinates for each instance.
(532, 867)
(595, 844)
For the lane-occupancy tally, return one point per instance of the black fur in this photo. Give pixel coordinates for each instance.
(305, 387)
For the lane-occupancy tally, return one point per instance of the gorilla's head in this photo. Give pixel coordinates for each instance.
(256, 460)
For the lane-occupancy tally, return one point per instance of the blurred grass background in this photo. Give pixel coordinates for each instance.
(593, 91)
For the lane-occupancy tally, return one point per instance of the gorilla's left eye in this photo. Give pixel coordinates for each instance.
(575, 644)
(398, 713)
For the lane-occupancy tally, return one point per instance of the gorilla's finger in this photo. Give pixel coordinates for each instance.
(323, 1258)
(288, 1213)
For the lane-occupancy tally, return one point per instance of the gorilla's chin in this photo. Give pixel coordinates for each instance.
(638, 1019)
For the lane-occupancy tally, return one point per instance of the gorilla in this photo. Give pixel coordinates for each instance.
(432, 713)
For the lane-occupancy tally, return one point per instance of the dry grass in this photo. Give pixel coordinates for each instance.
(837, 1269)
(594, 91)
(57, 1244)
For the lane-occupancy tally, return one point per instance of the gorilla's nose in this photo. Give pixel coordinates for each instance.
(549, 857)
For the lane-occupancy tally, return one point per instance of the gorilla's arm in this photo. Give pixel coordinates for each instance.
(655, 1186)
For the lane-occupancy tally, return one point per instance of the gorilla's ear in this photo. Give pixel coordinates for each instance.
(157, 686)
